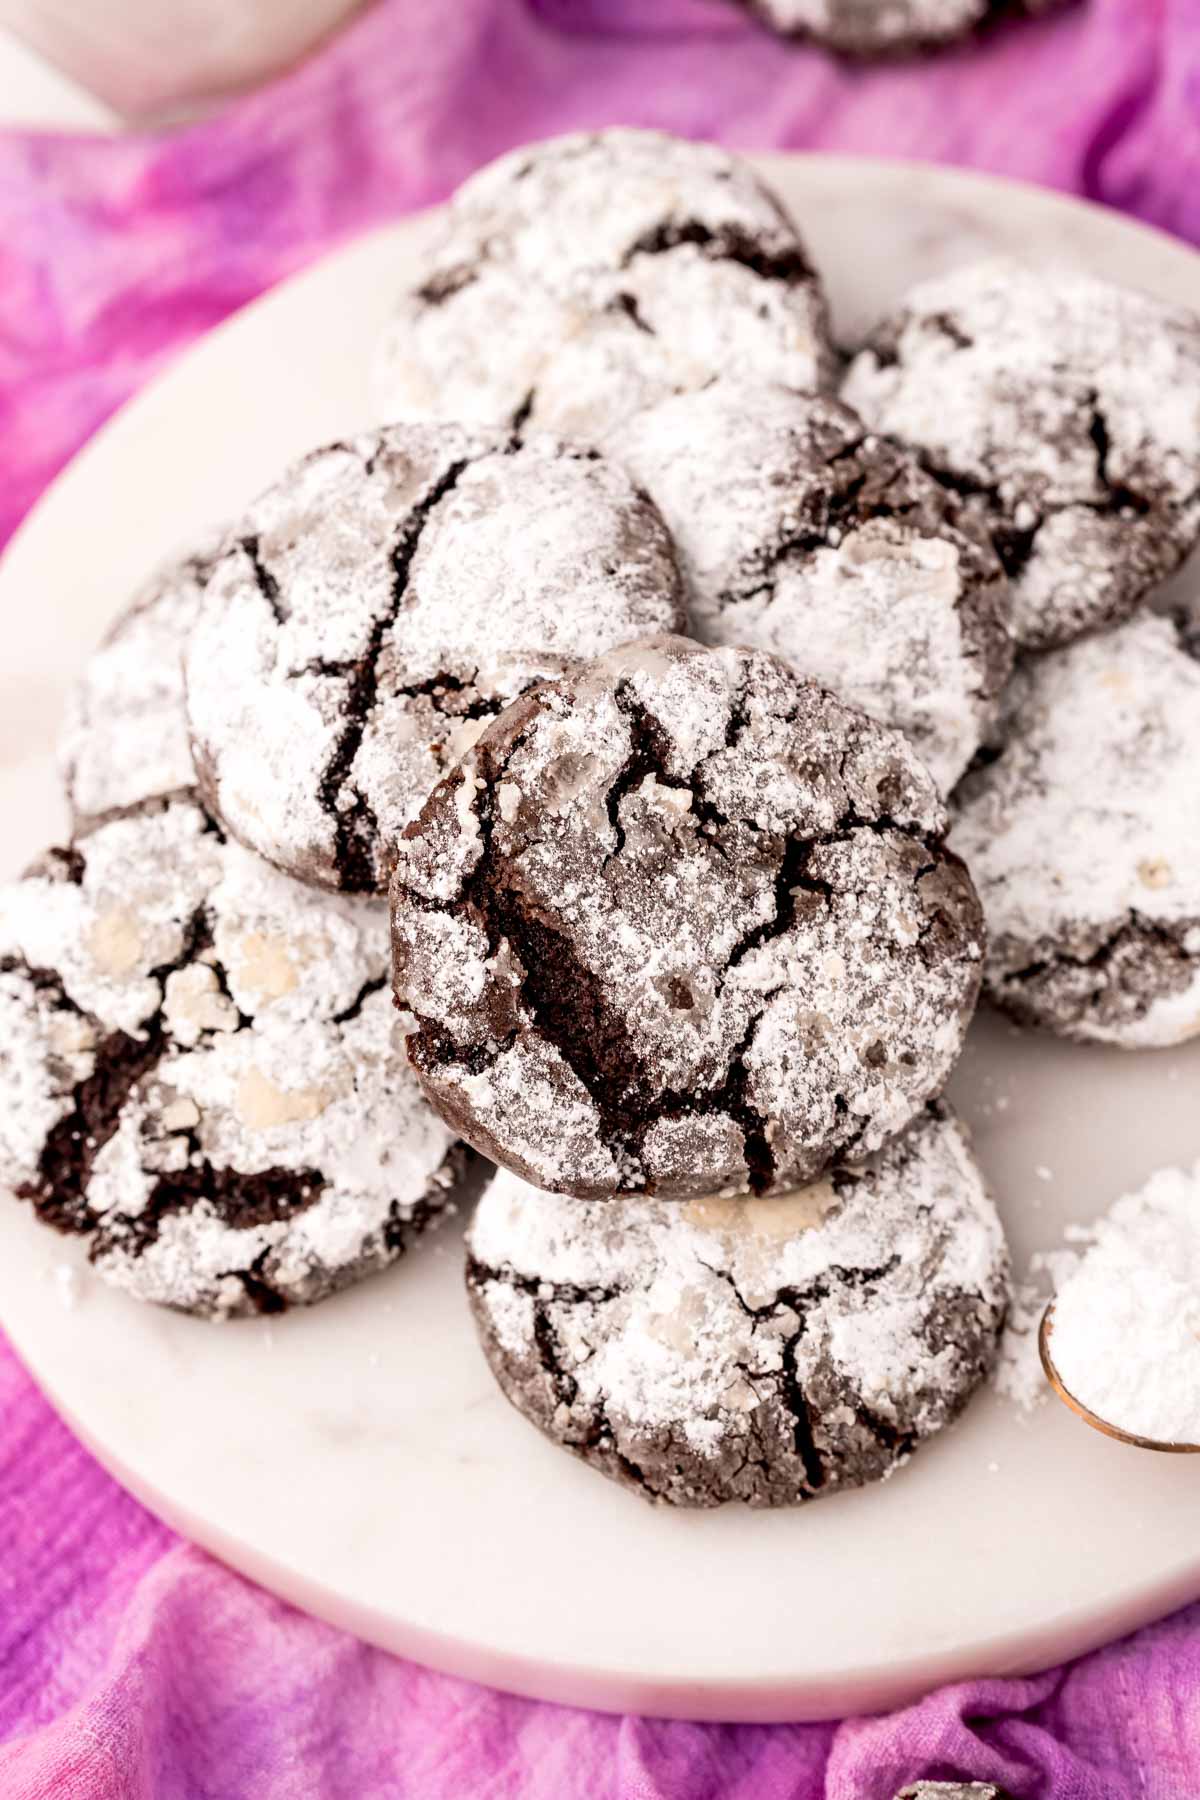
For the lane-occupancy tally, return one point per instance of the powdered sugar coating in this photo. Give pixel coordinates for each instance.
(800, 533)
(762, 1350)
(1084, 839)
(683, 922)
(202, 1067)
(45, 1052)
(880, 27)
(125, 738)
(578, 278)
(379, 602)
(1070, 408)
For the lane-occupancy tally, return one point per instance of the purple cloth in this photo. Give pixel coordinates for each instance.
(130, 1664)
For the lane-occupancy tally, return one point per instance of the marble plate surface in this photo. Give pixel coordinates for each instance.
(357, 1458)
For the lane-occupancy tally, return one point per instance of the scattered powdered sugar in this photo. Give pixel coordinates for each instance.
(69, 1286)
(378, 604)
(125, 737)
(716, 942)
(1125, 1333)
(643, 262)
(1070, 407)
(726, 1328)
(258, 1138)
(1084, 839)
(1018, 1375)
(801, 534)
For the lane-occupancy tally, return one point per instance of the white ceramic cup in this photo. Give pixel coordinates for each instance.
(152, 62)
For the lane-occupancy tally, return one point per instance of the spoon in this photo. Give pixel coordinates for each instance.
(1085, 1413)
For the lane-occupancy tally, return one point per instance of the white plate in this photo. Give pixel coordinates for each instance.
(356, 1458)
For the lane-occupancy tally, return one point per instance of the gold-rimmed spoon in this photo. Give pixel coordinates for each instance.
(1045, 1330)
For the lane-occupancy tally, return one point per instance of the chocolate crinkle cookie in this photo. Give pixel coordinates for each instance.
(610, 269)
(683, 922)
(201, 1067)
(953, 1790)
(1084, 839)
(378, 604)
(888, 27)
(125, 737)
(768, 1351)
(800, 532)
(1068, 411)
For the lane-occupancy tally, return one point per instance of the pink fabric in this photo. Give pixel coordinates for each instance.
(130, 1664)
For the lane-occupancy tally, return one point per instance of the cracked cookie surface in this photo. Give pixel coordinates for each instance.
(763, 1350)
(683, 922)
(1067, 411)
(125, 737)
(887, 27)
(378, 603)
(800, 532)
(614, 268)
(1084, 839)
(201, 1068)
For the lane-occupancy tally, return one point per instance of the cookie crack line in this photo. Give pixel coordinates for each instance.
(728, 243)
(798, 1301)
(1120, 497)
(587, 1033)
(262, 1296)
(1135, 927)
(791, 1392)
(445, 283)
(647, 757)
(265, 582)
(438, 689)
(840, 513)
(373, 985)
(72, 1145)
(355, 826)
(861, 501)
(627, 304)
(788, 1383)
(563, 1293)
(949, 328)
(241, 1200)
(1187, 630)
(791, 880)
(1015, 543)
(599, 1438)
(730, 1098)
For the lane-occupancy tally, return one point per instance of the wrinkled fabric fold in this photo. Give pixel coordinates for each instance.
(133, 1667)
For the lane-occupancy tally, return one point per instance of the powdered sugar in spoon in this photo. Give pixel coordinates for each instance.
(1045, 1333)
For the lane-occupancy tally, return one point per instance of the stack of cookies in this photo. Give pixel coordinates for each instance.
(645, 688)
